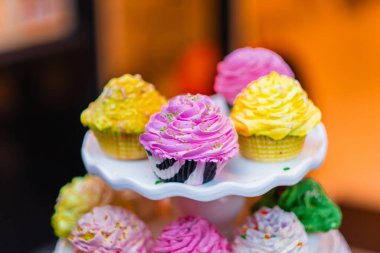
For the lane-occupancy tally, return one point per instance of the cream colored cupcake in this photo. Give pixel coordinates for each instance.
(272, 116)
(111, 229)
(119, 115)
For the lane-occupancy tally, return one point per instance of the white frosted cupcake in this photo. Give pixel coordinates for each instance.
(271, 231)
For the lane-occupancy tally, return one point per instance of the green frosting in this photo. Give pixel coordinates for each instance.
(309, 202)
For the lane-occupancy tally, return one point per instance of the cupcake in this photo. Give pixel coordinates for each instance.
(189, 140)
(271, 231)
(77, 198)
(191, 235)
(110, 229)
(245, 65)
(316, 211)
(272, 117)
(119, 115)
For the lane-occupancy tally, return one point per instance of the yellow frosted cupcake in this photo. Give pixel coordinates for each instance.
(118, 116)
(77, 198)
(272, 116)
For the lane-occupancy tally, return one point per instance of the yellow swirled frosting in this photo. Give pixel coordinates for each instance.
(124, 106)
(77, 198)
(275, 106)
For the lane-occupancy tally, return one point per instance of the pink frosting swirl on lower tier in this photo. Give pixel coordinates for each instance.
(111, 229)
(191, 234)
(191, 127)
(245, 65)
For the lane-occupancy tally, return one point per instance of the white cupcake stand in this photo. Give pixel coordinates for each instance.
(222, 199)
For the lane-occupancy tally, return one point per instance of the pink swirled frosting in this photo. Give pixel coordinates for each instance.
(245, 65)
(191, 234)
(111, 229)
(191, 127)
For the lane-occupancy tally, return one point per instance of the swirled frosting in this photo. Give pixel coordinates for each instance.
(111, 229)
(271, 231)
(312, 206)
(77, 198)
(245, 65)
(275, 106)
(125, 106)
(191, 234)
(191, 127)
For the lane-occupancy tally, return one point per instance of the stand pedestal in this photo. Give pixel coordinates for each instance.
(240, 177)
(222, 212)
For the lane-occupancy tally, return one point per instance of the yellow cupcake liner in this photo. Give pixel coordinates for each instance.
(120, 145)
(266, 149)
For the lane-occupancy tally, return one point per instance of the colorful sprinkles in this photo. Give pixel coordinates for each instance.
(286, 168)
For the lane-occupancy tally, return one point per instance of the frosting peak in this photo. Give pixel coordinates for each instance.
(191, 235)
(191, 127)
(245, 65)
(125, 106)
(271, 230)
(275, 106)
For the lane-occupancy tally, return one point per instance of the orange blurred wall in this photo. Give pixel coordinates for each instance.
(334, 48)
(173, 44)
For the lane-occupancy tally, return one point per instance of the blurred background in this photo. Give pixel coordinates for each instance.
(55, 55)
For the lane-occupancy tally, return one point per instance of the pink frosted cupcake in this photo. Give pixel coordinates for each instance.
(189, 140)
(271, 230)
(245, 65)
(191, 234)
(111, 229)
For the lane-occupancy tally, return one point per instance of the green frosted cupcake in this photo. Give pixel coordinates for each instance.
(316, 211)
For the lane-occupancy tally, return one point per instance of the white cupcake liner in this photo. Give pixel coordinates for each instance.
(184, 171)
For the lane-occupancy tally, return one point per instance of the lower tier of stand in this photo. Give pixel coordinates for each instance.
(331, 242)
(226, 221)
